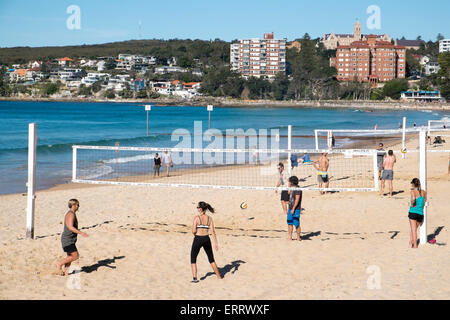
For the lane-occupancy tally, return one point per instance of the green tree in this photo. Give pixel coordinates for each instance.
(142, 94)
(280, 86)
(444, 75)
(50, 89)
(394, 88)
(84, 90)
(97, 86)
(110, 94)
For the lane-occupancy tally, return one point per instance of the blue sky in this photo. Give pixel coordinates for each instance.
(43, 23)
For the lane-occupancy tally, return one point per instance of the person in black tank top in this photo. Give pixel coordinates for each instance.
(157, 165)
(69, 237)
(201, 240)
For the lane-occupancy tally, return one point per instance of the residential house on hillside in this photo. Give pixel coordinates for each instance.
(138, 85)
(65, 61)
(18, 75)
(432, 67)
(93, 77)
(169, 69)
(34, 64)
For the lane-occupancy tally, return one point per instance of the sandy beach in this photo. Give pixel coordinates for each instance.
(242, 103)
(140, 239)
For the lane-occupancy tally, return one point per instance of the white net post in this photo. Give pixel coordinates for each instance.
(404, 137)
(31, 184)
(74, 162)
(316, 138)
(423, 181)
(376, 180)
(329, 138)
(289, 148)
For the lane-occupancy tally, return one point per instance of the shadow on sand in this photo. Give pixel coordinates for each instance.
(101, 263)
(233, 267)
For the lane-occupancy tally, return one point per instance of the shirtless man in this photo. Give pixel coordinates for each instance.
(322, 171)
(388, 171)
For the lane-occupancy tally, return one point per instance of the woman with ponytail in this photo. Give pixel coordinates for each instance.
(200, 228)
(418, 199)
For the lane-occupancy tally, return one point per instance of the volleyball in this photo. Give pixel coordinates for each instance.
(403, 150)
(244, 205)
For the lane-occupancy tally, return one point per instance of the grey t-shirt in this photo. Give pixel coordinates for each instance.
(292, 200)
(380, 157)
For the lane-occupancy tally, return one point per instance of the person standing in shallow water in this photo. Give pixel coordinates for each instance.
(157, 161)
(201, 227)
(69, 237)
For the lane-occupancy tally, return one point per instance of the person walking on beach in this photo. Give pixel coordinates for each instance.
(295, 206)
(305, 158)
(381, 153)
(255, 155)
(282, 179)
(294, 161)
(388, 171)
(322, 171)
(167, 161)
(69, 237)
(415, 215)
(200, 228)
(157, 161)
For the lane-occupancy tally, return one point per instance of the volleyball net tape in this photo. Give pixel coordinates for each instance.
(241, 169)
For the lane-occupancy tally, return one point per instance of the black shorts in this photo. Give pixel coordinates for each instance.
(415, 216)
(284, 195)
(70, 248)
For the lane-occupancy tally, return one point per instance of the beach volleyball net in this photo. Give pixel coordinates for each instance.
(255, 169)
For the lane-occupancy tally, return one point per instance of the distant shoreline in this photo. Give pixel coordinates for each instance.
(225, 102)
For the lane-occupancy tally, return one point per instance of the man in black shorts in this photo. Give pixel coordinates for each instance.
(381, 153)
(282, 180)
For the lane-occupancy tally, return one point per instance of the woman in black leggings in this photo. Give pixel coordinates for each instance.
(200, 228)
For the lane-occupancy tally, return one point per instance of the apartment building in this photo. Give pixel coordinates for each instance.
(259, 57)
(444, 45)
(370, 61)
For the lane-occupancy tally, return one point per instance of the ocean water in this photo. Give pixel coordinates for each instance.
(63, 124)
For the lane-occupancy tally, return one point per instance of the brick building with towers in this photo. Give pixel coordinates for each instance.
(332, 40)
(370, 61)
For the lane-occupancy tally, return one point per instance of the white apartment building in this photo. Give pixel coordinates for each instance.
(444, 45)
(234, 56)
(259, 57)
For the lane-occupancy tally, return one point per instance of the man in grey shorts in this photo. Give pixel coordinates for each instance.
(322, 171)
(388, 171)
